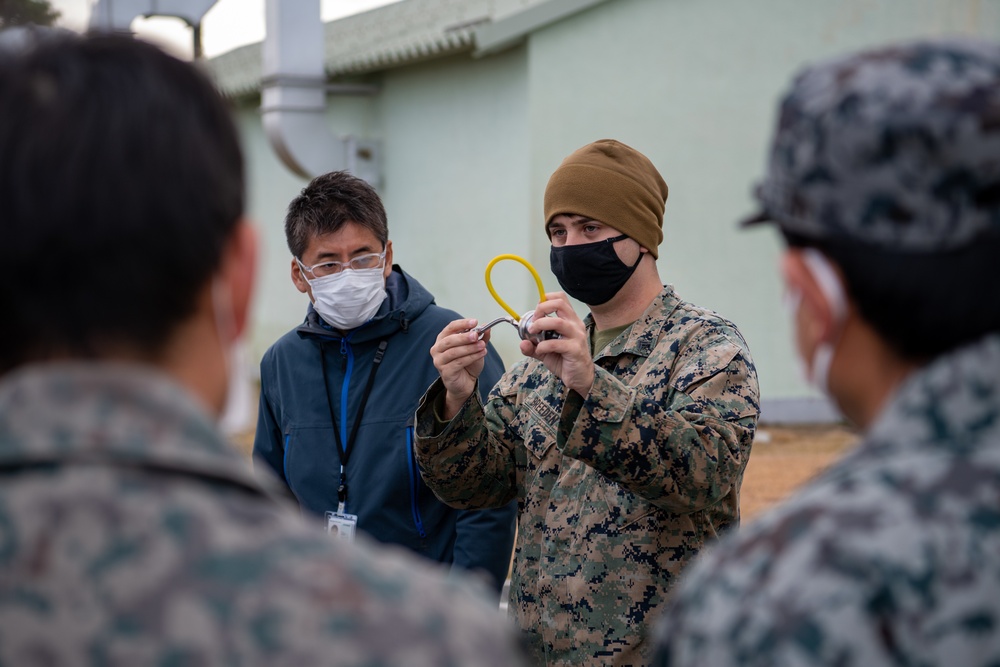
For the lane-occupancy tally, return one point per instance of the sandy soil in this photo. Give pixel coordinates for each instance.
(783, 458)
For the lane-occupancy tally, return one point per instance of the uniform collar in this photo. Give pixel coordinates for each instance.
(113, 414)
(645, 331)
(953, 403)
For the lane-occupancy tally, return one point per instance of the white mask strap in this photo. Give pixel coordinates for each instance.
(828, 282)
(832, 289)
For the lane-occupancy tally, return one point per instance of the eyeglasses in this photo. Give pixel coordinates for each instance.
(374, 260)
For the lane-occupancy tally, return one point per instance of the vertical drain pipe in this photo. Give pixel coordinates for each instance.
(293, 88)
(293, 97)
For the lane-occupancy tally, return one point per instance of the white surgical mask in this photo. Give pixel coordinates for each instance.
(817, 368)
(348, 299)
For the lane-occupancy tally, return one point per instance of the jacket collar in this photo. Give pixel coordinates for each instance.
(644, 333)
(953, 404)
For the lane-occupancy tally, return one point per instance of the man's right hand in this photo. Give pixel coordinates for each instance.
(459, 357)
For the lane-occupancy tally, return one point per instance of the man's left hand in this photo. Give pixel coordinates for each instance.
(569, 355)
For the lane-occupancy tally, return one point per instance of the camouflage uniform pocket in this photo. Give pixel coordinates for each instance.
(625, 508)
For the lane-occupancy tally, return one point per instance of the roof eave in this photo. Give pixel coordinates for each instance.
(511, 30)
(238, 72)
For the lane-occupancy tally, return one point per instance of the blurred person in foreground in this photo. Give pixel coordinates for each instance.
(624, 440)
(884, 180)
(335, 422)
(131, 533)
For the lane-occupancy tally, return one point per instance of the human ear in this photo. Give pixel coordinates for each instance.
(239, 271)
(298, 279)
(818, 286)
(388, 260)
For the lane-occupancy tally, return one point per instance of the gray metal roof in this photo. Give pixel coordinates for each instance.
(406, 32)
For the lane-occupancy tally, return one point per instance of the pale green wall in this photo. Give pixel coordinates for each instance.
(455, 187)
(468, 145)
(270, 187)
(694, 85)
(456, 180)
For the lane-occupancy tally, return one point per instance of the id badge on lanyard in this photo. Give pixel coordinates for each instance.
(341, 525)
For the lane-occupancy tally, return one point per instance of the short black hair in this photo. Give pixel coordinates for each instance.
(121, 178)
(923, 305)
(329, 202)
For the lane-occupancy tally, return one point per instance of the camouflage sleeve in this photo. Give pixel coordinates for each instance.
(679, 436)
(464, 461)
(796, 587)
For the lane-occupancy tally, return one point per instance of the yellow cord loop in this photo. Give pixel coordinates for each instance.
(489, 283)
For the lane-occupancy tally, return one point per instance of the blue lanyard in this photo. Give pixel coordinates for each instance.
(345, 449)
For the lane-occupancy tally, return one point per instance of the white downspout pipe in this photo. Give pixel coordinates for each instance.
(293, 97)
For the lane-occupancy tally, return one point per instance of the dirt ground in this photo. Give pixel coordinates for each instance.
(782, 459)
(785, 457)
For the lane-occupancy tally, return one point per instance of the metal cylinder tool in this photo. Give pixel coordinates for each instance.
(519, 322)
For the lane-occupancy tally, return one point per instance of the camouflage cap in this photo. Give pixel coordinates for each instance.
(897, 147)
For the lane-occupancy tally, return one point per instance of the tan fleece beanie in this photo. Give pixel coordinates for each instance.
(612, 183)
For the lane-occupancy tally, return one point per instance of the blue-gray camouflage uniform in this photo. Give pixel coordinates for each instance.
(892, 556)
(132, 534)
(889, 558)
(617, 490)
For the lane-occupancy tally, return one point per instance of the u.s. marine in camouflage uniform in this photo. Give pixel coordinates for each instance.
(131, 532)
(624, 441)
(884, 179)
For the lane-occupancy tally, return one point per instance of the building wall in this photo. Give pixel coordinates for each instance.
(694, 86)
(468, 145)
(270, 187)
(455, 187)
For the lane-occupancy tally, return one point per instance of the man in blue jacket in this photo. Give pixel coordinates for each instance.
(338, 393)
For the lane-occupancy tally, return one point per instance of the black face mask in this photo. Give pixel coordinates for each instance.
(591, 272)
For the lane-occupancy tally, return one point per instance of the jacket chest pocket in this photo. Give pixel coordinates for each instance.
(311, 460)
(626, 511)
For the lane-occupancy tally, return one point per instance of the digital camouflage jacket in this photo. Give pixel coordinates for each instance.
(891, 557)
(131, 533)
(617, 490)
